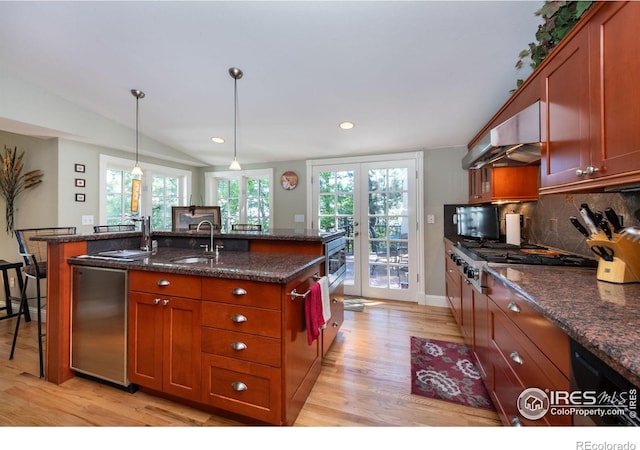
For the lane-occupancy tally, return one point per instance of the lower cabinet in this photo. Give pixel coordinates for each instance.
(164, 344)
(333, 325)
(527, 351)
(236, 345)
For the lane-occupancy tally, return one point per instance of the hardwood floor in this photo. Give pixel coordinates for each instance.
(365, 382)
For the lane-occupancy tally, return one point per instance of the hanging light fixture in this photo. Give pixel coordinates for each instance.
(236, 74)
(138, 95)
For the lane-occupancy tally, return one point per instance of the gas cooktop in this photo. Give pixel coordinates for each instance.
(500, 252)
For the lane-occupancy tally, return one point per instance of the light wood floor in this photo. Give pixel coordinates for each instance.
(365, 381)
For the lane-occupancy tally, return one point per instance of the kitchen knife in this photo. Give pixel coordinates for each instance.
(576, 223)
(612, 216)
(597, 217)
(604, 224)
(588, 217)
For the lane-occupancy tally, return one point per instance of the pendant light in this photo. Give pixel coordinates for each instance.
(236, 74)
(138, 95)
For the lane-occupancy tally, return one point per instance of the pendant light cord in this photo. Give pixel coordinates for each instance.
(235, 116)
(137, 132)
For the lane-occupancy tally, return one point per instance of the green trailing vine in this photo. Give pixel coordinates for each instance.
(13, 182)
(559, 18)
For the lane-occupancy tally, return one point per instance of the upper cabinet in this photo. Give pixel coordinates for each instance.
(590, 97)
(589, 106)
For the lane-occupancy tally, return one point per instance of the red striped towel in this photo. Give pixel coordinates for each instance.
(313, 313)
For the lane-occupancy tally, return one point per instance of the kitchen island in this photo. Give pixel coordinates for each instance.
(186, 339)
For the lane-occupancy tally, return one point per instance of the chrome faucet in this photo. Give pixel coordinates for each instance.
(145, 226)
(209, 247)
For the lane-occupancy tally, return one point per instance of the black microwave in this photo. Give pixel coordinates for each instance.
(335, 259)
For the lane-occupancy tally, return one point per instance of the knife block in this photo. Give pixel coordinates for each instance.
(625, 267)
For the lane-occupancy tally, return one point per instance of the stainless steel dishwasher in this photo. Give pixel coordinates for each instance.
(99, 324)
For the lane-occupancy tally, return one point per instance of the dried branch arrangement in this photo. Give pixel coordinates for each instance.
(13, 182)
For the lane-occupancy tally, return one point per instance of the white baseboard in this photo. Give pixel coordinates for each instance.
(435, 300)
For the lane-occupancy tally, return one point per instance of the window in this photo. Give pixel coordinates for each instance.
(243, 197)
(162, 188)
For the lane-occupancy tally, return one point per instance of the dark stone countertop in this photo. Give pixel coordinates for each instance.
(279, 234)
(604, 317)
(254, 266)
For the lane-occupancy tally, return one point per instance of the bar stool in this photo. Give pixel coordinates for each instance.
(35, 258)
(5, 266)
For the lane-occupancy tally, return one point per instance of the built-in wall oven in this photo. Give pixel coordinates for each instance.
(335, 259)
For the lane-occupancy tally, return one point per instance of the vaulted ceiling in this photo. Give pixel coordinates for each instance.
(411, 75)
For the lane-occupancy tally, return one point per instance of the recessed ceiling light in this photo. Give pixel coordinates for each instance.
(346, 125)
(217, 140)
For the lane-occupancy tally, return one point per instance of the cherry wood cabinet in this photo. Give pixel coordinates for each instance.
(564, 113)
(590, 133)
(453, 286)
(494, 183)
(514, 346)
(527, 351)
(164, 333)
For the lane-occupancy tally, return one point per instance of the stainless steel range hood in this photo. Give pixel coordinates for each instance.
(515, 141)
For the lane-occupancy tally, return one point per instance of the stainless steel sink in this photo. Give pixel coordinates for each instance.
(193, 260)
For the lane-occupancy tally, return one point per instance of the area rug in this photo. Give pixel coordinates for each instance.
(446, 371)
(354, 304)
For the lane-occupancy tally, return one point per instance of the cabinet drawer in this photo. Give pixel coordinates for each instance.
(178, 285)
(547, 336)
(333, 326)
(242, 292)
(245, 319)
(531, 366)
(245, 388)
(247, 347)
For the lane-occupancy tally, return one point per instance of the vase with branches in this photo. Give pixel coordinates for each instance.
(13, 182)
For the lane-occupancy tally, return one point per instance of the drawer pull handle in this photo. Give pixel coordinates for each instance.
(238, 318)
(238, 291)
(238, 346)
(516, 422)
(334, 300)
(156, 301)
(516, 358)
(162, 282)
(239, 386)
(165, 302)
(336, 324)
(513, 307)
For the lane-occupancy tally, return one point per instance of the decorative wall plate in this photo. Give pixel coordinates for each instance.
(289, 180)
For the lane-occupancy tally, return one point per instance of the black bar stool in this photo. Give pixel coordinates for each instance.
(5, 266)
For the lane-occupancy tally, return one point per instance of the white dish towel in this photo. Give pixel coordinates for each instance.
(326, 302)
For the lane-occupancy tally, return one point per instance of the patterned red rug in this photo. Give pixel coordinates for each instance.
(445, 371)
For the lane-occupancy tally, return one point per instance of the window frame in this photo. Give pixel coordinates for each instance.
(107, 162)
(211, 189)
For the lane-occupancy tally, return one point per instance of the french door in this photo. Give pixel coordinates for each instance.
(376, 203)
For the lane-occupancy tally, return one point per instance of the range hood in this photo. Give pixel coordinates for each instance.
(514, 141)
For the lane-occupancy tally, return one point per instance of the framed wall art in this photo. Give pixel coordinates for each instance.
(80, 197)
(80, 182)
(289, 180)
(79, 168)
(184, 218)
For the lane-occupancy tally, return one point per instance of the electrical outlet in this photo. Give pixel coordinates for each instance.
(12, 282)
(431, 218)
(87, 220)
(298, 218)
(553, 225)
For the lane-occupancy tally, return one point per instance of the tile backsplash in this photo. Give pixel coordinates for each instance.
(546, 222)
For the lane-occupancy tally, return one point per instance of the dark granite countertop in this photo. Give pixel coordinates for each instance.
(254, 266)
(603, 317)
(280, 234)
